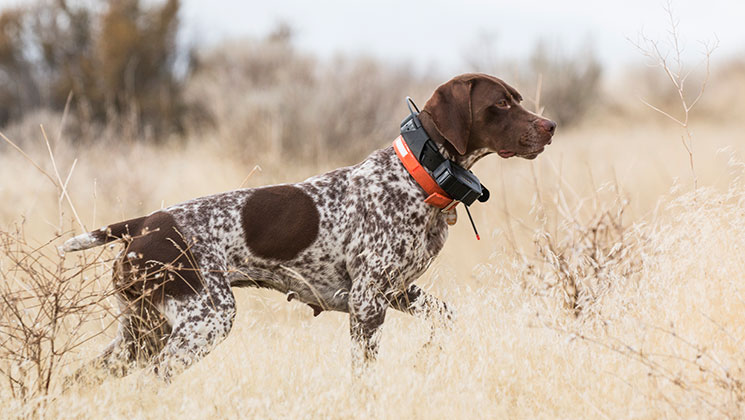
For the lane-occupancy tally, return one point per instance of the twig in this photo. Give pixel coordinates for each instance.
(62, 185)
(255, 168)
(28, 158)
(678, 77)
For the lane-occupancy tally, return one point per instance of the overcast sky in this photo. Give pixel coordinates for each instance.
(439, 33)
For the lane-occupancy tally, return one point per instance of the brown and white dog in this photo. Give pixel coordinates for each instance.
(351, 240)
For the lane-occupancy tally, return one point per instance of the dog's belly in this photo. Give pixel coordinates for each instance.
(325, 286)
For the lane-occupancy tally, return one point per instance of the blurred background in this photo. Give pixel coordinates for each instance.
(299, 78)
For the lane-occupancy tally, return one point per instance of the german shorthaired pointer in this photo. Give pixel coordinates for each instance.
(351, 240)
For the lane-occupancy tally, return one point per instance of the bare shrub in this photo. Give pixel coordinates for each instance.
(670, 62)
(585, 256)
(46, 303)
(685, 312)
(119, 62)
(265, 98)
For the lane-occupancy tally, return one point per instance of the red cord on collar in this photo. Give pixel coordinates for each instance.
(437, 196)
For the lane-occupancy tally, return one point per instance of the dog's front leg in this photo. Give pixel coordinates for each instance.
(367, 307)
(421, 304)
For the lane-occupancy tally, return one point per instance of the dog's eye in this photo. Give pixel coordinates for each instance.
(502, 103)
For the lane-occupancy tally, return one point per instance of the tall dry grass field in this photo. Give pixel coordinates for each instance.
(605, 285)
(658, 331)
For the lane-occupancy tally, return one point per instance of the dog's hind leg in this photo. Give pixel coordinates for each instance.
(140, 337)
(115, 360)
(198, 324)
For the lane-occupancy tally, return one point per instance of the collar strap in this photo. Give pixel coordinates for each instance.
(437, 196)
(446, 182)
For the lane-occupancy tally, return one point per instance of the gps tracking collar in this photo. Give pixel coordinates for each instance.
(458, 183)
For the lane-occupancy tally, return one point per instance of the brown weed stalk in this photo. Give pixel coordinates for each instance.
(46, 303)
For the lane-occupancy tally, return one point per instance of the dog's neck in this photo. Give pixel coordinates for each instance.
(446, 149)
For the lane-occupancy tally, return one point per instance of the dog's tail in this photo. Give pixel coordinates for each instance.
(104, 235)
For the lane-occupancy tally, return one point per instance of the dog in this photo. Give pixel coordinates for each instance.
(351, 240)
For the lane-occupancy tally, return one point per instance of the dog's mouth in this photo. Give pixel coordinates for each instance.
(532, 154)
(527, 147)
(505, 153)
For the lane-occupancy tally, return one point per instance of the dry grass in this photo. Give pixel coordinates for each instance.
(664, 341)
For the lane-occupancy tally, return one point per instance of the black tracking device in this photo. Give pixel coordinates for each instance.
(459, 183)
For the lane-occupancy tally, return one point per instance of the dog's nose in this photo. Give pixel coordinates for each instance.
(547, 125)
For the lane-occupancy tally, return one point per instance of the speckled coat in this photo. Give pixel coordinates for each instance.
(352, 240)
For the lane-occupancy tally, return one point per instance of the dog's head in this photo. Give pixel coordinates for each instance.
(477, 112)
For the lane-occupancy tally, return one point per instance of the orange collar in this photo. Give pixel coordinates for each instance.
(437, 196)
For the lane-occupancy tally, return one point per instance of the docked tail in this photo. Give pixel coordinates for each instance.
(105, 234)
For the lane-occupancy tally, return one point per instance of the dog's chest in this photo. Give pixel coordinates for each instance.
(396, 234)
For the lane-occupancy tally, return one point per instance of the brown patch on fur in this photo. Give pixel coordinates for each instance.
(159, 260)
(119, 230)
(279, 222)
(450, 109)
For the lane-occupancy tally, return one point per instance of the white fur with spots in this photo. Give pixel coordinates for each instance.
(376, 236)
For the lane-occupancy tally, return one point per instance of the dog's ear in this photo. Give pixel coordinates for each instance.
(450, 109)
